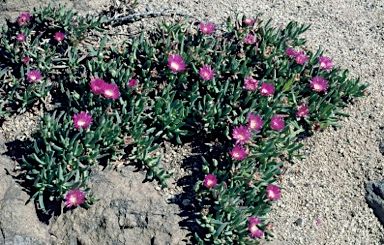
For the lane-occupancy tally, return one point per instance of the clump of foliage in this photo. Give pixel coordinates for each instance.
(246, 92)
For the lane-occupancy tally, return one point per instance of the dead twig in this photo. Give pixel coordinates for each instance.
(130, 18)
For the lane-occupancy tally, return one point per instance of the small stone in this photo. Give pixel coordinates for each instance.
(298, 222)
(381, 147)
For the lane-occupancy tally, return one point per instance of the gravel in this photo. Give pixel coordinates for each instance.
(323, 196)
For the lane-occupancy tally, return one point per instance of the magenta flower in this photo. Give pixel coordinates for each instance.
(250, 83)
(241, 134)
(20, 37)
(34, 75)
(176, 63)
(255, 122)
(273, 192)
(111, 90)
(249, 21)
(302, 111)
(97, 85)
(277, 123)
(82, 120)
(207, 28)
(23, 18)
(325, 63)
(267, 89)
(253, 228)
(250, 39)
(290, 52)
(74, 197)
(301, 58)
(132, 83)
(25, 60)
(210, 180)
(318, 222)
(238, 153)
(319, 84)
(59, 36)
(206, 72)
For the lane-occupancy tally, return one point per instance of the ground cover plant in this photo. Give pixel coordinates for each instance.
(246, 91)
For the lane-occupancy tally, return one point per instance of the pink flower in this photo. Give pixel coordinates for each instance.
(20, 37)
(241, 134)
(82, 120)
(238, 153)
(111, 90)
(206, 72)
(291, 52)
(74, 197)
(254, 220)
(23, 18)
(59, 36)
(132, 83)
(273, 192)
(253, 228)
(210, 180)
(325, 63)
(207, 28)
(267, 89)
(318, 222)
(25, 60)
(301, 58)
(302, 111)
(250, 39)
(255, 122)
(319, 84)
(34, 75)
(277, 123)
(176, 63)
(97, 85)
(250, 83)
(249, 21)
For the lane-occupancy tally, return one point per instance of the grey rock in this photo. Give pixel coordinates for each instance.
(375, 198)
(19, 224)
(129, 212)
(381, 147)
(298, 222)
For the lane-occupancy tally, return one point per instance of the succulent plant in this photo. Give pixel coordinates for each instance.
(247, 92)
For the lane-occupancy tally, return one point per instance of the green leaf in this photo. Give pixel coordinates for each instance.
(288, 84)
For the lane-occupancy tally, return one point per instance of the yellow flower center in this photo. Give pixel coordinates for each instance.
(271, 194)
(73, 199)
(81, 122)
(175, 66)
(254, 228)
(109, 92)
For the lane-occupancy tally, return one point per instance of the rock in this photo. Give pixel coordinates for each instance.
(298, 222)
(129, 212)
(19, 223)
(375, 198)
(381, 147)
